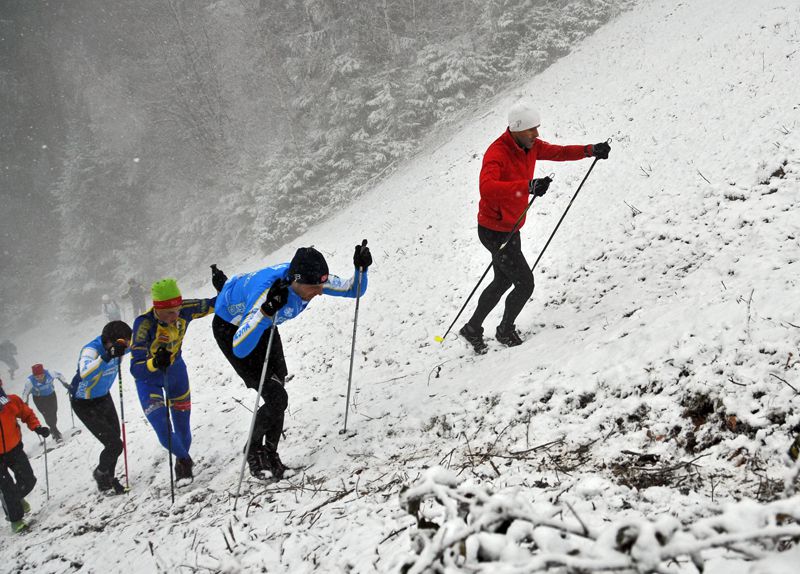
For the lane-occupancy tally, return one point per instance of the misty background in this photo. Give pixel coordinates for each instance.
(144, 139)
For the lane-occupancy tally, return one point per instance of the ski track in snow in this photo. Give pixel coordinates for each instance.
(632, 317)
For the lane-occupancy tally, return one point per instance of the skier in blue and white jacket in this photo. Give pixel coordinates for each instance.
(40, 385)
(90, 393)
(247, 306)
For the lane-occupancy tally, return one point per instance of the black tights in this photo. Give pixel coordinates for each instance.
(510, 268)
(100, 417)
(269, 418)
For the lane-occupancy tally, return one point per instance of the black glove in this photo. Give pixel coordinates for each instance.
(539, 187)
(162, 359)
(42, 431)
(277, 297)
(118, 348)
(362, 257)
(218, 278)
(601, 150)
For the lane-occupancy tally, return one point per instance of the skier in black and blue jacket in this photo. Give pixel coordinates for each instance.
(247, 305)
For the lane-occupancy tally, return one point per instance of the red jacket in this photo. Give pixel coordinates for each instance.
(507, 169)
(9, 428)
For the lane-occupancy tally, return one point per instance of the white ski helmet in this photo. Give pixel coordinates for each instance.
(522, 116)
(106, 298)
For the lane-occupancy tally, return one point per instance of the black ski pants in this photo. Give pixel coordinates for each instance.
(15, 488)
(510, 268)
(269, 418)
(100, 417)
(48, 406)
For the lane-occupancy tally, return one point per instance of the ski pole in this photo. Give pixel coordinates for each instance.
(566, 210)
(122, 414)
(169, 438)
(353, 346)
(255, 411)
(505, 242)
(46, 471)
(71, 411)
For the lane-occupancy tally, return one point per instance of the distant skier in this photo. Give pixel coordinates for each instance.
(111, 309)
(40, 384)
(246, 307)
(13, 458)
(136, 294)
(156, 361)
(506, 181)
(8, 355)
(98, 365)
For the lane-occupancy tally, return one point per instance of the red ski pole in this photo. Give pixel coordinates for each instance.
(122, 415)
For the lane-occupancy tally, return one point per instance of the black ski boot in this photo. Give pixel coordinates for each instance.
(117, 486)
(255, 461)
(103, 479)
(107, 481)
(507, 334)
(56, 435)
(272, 462)
(474, 337)
(183, 469)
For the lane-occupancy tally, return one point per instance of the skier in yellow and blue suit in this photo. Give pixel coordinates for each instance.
(156, 362)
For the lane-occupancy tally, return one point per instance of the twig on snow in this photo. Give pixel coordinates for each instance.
(785, 382)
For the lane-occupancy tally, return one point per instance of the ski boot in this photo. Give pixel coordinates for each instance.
(107, 481)
(103, 480)
(117, 487)
(18, 526)
(272, 462)
(183, 469)
(507, 334)
(255, 461)
(474, 337)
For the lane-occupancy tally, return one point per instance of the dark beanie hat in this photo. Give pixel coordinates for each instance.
(308, 266)
(115, 330)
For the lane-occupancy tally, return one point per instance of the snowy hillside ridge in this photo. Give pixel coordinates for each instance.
(656, 388)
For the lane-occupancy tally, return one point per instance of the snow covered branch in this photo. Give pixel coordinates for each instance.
(463, 527)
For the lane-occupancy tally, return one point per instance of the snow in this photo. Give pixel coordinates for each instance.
(674, 276)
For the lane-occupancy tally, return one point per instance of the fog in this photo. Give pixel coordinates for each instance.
(143, 139)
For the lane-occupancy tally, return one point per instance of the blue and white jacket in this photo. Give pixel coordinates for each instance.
(239, 302)
(95, 376)
(45, 388)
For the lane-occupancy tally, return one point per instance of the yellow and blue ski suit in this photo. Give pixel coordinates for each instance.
(149, 334)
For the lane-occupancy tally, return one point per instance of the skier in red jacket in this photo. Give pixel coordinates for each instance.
(13, 458)
(506, 181)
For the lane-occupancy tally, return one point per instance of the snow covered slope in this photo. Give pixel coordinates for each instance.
(663, 329)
